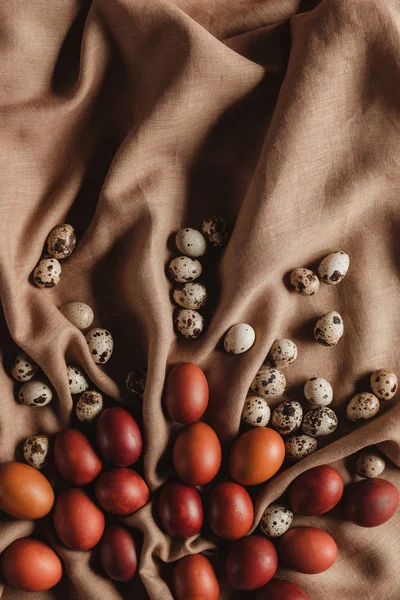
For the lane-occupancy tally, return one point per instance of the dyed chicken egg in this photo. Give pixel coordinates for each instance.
(136, 382)
(333, 268)
(89, 405)
(239, 338)
(35, 393)
(319, 422)
(190, 295)
(36, 449)
(23, 368)
(269, 383)
(282, 354)
(362, 407)
(307, 550)
(189, 323)
(318, 391)
(304, 281)
(329, 329)
(287, 417)
(276, 520)
(256, 411)
(30, 565)
(78, 313)
(61, 241)
(215, 231)
(190, 242)
(47, 273)
(101, 344)
(384, 384)
(370, 464)
(300, 446)
(76, 380)
(183, 269)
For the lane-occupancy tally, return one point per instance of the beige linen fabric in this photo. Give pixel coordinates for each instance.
(130, 119)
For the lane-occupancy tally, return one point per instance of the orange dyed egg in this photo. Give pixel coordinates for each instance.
(256, 456)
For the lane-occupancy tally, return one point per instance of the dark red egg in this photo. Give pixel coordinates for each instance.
(118, 437)
(372, 502)
(118, 553)
(277, 589)
(75, 458)
(251, 563)
(121, 491)
(186, 393)
(195, 579)
(230, 511)
(316, 491)
(307, 550)
(180, 509)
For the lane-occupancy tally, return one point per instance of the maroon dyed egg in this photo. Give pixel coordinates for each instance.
(316, 491)
(180, 509)
(121, 491)
(186, 393)
(372, 502)
(278, 589)
(118, 553)
(75, 458)
(230, 511)
(251, 563)
(118, 437)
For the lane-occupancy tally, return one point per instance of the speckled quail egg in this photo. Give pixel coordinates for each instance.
(190, 242)
(276, 520)
(89, 405)
(300, 446)
(136, 382)
(304, 281)
(384, 384)
(329, 329)
(183, 269)
(282, 354)
(35, 393)
(78, 313)
(369, 464)
(61, 241)
(190, 295)
(188, 323)
(215, 231)
(23, 367)
(333, 268)
(318, 391)
(76, 380)
(47, 273)
(287, 417)
(36, 449)
(239, 338)
(269, 383)
(256, 411)
(319, 422)
(101, 344)
(362, 407)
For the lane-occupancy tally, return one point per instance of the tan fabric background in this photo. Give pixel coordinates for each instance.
(130, 119)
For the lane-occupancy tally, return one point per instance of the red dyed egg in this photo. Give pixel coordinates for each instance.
(118, 437)
(186, 393)
(197, 454)
(277, 589)
(30, 565)
(180, 509)
(121, 491)
(256, 456)
(75, 458)
(307, 550)
(316, 491)
(230, 511)
(118, 553)
(78, 522)
(372, 502)
(195, 579)
(251, 563)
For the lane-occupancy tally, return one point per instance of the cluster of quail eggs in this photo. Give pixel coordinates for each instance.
(34, 391)
(60, 244)
(364, 406)
(189, 294)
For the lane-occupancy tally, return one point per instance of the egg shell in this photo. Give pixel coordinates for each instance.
(371, 502)
(78, 313)
(362, 407)
(190, 242)
(384, 384)
(23, 367)
(239, 338)
(36, 449)
(184, 269)
(215, 231)
(47, 273)
(194, 578)
(136, 382)
(256, 456)
(276, 520)
(319, 422)
(76, 380)
(282, 354)
(269, 383)
(329, 329)
(79, 523)
(370, 464)
(307, 550)
(333, 268)
(300, 446)
(89, 406)
(186, 393)
(75, 458)
(251, 563)
(121, 491)
(230, 511)
(256, 411)
(318, 391)
(118, 437)
(197, 454)
(101, 344)
(287, 417)
(180, 509)
(35, 393)
(118, 553)
(304, 281)
(24, 492)
(188, 323)
(316, 491)
(278, 589)
(190, 295)
(61, 241)
(30, 565)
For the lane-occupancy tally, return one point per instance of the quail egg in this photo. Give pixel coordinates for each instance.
(329, 329)
(362, 407)
(370, 464)
(276, 520)
(384, 384)
(304, 281)
(101, 344)
(318, 391)
(319, 422)
(287, 417)
(36, 449)
(183, 269)
(47, 273)
(239, 338)
(190, 242)
(190, 295)
(35, 393)
(215, 231)
(136, 382)
(23, 367)
(333, 268)
(89, 405)
(256, 411)
(77, 381)
(61, 241)
(78, 313)
(188, 323)
(282, 354)
(300, 446)
(269, 383)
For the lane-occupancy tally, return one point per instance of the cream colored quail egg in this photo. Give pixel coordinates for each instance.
(188, 323)
(276, 520)
(76, 380)
(36, 449)
(300, 446)
(384, 384)
(215, 231)
(61, 241)
(304, 281)
(256, 411)
(47, 273)
(190, 295)
(35, 393)
(318, 391)
(184, 269)
(78, 313)
(329, 329)
(282, 354)
(239, 338)
(362, 407)
(370, 464)
(190, 242)
(101, 344)
(319, 422)
(287, 417)
(89, 405)
(23, 367)
(269, 382)
(333, 268)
